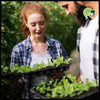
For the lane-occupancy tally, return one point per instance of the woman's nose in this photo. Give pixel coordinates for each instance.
(37, 27)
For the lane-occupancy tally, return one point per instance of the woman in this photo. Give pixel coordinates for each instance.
(36, 46)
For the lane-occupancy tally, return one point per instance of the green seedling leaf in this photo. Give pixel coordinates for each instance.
(48, 95)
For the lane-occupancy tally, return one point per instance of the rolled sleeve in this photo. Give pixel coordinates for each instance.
(14, 58)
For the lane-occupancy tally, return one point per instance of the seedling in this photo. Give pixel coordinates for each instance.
(63, 88)
(36, 66)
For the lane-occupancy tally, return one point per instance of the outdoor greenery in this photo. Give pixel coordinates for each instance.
(61, 27)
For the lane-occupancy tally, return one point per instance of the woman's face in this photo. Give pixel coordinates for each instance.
(36, 24)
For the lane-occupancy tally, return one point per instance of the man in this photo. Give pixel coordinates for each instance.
(87, 37)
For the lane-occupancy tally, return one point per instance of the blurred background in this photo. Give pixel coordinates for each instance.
(61, 27)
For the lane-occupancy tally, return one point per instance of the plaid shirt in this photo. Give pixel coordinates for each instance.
(21, 53)
(95, 49)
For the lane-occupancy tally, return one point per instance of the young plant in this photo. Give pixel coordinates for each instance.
(67, 60)
(36, 66)
(48, 95)
(63, 88)
(72, 78)
(58, 61)
(42, 89)
(4, 69)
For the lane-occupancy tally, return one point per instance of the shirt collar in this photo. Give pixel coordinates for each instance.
(28, 44)
(49, 42)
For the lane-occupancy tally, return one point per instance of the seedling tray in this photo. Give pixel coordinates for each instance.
(81, 96)
(43, 71)
(10, 75)
(58, 85)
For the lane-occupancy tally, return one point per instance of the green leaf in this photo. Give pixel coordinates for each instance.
(48, 95)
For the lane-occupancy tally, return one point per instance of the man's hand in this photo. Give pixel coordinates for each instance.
(78, 78)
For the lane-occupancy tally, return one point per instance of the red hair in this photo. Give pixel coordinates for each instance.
(28, 9)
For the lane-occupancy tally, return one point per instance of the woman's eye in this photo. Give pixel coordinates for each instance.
(32, 24)
(42, 23)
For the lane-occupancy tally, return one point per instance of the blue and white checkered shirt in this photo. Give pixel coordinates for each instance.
(95, 49)
(21, 55)
(21, 52)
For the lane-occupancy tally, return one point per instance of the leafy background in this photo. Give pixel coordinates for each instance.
(61, 27)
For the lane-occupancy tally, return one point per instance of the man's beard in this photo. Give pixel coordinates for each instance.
(80, 19)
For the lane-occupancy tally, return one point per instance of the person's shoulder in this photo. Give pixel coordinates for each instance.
(81, 28)
(52, 40)
(19, 45)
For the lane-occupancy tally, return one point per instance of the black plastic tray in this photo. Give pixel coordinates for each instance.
(11, 75)
(81, 96)
(39, 72)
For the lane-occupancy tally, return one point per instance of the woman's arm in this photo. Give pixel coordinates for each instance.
(15, 59)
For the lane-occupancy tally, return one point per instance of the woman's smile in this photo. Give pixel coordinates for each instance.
(38, 33)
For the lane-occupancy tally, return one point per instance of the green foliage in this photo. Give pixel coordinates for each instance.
(64, 88)
(72, 78)
(59, 61)
(10, 34)
(4, 68)
(60, 27)
(48, 95)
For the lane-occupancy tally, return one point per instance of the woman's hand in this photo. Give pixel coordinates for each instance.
(16, 83)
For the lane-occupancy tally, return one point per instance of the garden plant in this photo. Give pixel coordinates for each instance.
(37, 66)
(66, 87)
